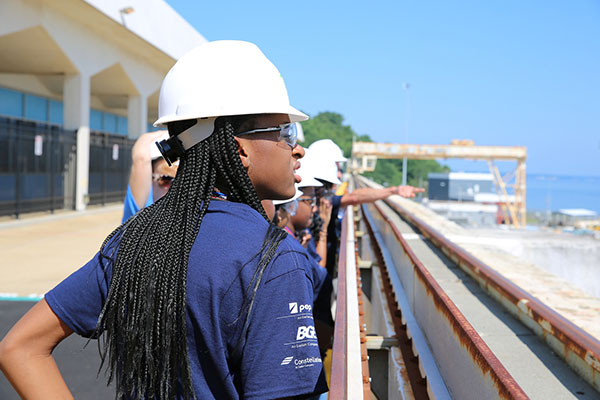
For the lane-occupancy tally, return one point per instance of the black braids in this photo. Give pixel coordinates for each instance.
(243, 180)
(143, 321)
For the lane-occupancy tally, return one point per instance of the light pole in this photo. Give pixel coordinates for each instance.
(406, 87)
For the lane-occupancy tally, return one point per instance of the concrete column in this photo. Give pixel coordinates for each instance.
(137, 116)
(76, 99)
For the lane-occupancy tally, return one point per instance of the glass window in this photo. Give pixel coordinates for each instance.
(109, 122)
(122, 125)
(11, 103)
(36, 107)
(96, 120)
(55, 112)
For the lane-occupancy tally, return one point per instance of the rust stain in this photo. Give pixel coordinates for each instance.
(480, 353)
(574, 339)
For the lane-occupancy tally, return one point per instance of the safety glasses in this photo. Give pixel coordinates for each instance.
(287, 132)
(164, 181)
(310, 201)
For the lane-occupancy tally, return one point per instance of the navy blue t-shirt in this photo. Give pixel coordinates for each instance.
(279, 355)
(311, 248)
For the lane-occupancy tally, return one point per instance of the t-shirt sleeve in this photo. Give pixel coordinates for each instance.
(130, 207)
(78, 300)
(281, 356)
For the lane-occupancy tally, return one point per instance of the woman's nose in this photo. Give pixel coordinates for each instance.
(298, 151)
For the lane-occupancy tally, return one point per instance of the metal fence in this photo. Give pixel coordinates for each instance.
(38, 167)
(110, 161)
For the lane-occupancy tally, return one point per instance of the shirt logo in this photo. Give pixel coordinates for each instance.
(287, 360)
(293, 308)
(306, 332)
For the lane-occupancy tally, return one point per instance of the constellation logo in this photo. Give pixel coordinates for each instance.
(287, 360)
(293, 308)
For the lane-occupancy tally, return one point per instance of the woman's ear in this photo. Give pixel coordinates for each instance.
(242, 148)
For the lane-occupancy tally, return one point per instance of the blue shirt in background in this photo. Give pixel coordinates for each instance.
(130, 208)
(279, 357)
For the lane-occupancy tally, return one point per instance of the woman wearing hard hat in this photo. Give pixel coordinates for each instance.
(197, 295)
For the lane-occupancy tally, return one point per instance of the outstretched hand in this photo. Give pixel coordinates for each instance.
(407, 191)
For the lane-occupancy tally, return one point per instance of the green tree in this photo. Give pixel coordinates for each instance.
(389, 172)
(330, 125)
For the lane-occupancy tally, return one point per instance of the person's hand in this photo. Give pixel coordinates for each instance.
(304, 239)
(141, 148)
(407, 191)
(325, 207)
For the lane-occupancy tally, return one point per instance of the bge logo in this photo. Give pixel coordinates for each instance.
(306, 332)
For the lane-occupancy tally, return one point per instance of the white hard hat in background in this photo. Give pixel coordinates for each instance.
(307, 171)
(296, 196)
(328, 148)
(320, 166)
(300, 132)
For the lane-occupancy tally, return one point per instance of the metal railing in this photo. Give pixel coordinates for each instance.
(349, 364)
(579, 349)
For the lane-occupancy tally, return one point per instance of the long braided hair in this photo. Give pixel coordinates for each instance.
(143, 321)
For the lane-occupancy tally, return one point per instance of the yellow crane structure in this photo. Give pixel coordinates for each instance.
(365, 155)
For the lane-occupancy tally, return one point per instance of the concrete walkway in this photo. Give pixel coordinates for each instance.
(38, 252)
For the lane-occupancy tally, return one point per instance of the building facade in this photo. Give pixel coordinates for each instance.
(79, 80)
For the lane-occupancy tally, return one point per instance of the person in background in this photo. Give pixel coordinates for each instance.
(332, 157)
(315, 230)
(294, 215)
(150, 176)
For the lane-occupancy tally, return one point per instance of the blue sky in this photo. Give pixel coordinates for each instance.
(497, 72)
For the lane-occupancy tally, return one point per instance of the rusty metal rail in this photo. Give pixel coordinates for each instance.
(470, 351)
(576, 347)
(349, 365)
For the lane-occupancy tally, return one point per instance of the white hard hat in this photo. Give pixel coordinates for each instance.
(320, 167)
(296, 196)
(307, 171)
(327, 148)
(220, 78)
(300, 132)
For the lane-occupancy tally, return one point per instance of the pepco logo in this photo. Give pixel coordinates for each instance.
(306, 332)
(294, 309)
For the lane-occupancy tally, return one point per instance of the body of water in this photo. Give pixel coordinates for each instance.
(555, 192)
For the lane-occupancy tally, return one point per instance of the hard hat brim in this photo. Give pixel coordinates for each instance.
(294, 114)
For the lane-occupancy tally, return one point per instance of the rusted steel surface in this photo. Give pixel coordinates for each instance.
(339, 372)
(480, 353)
(578, 348)
(364, 359)
(416, 381)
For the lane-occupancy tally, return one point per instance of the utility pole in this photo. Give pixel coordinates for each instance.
(406, 87)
